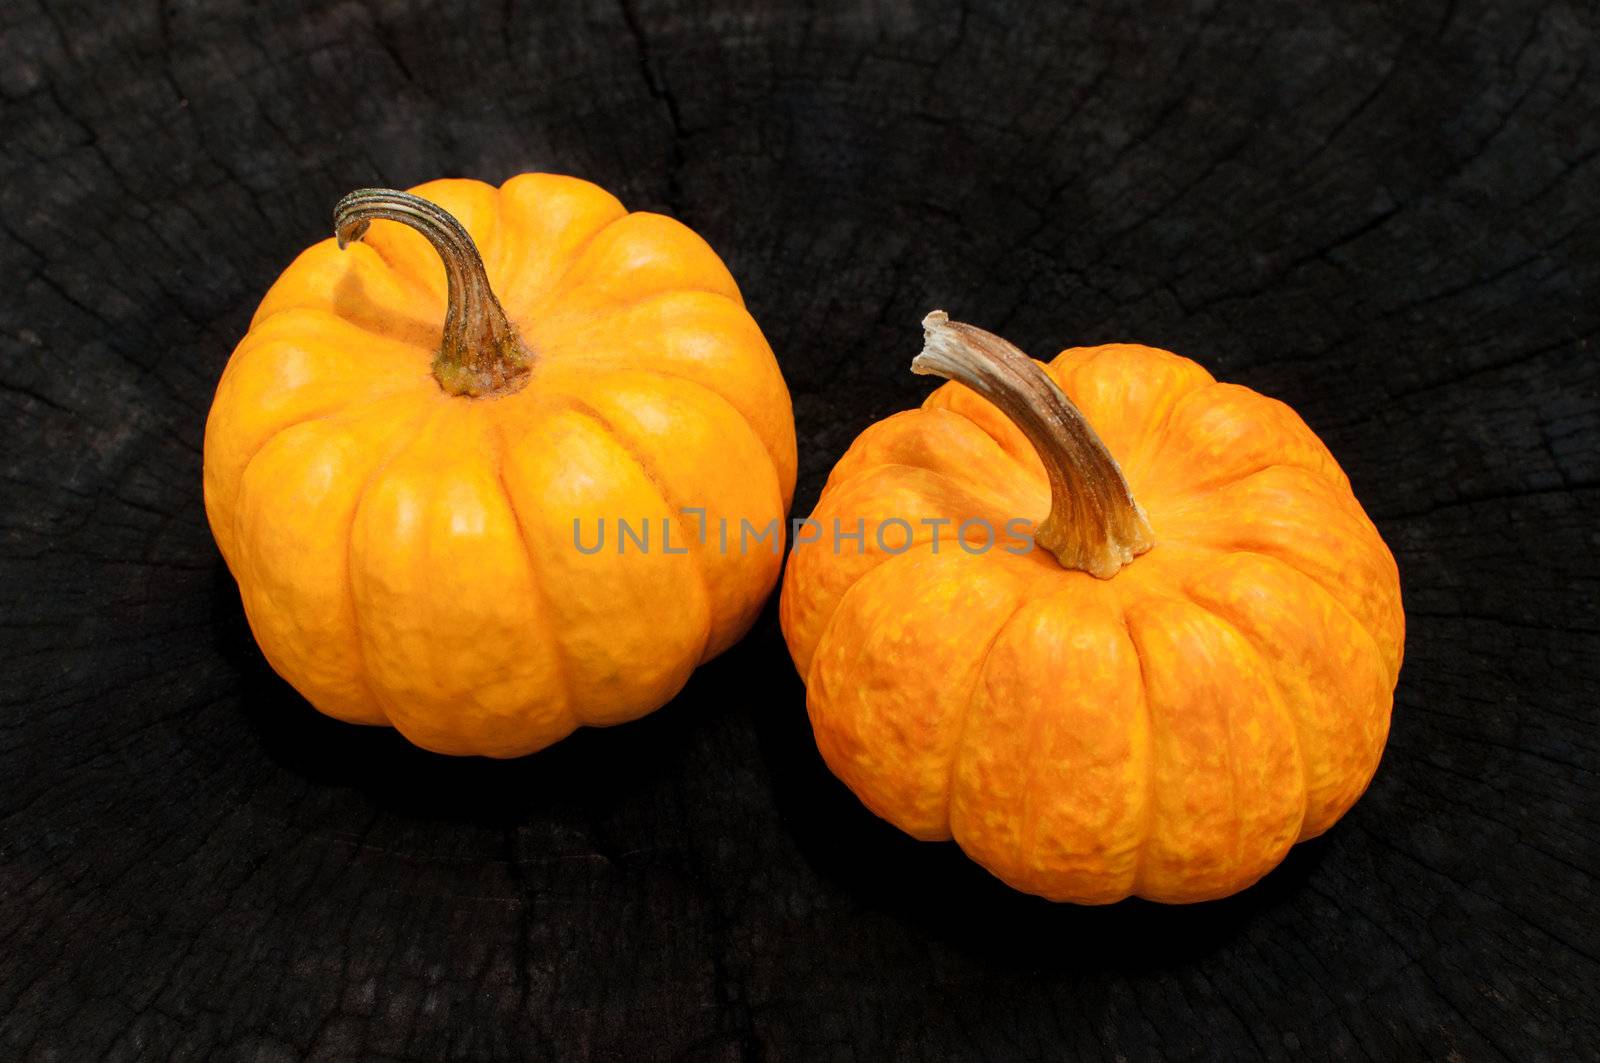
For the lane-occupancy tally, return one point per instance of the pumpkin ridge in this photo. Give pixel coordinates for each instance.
(258, 343)
(617, 307)
(581, 349)
(966, 711)
(912, 549)
(1335, 598)
(979, 492)
(237, 514)
(1230, 760)
(1394, 673)
(510, 255)
(772, 458)
(563, 672)
(503, 248)
(1295, 726)
(1347, 505)
(1339, 493)
(321, 312)
(898, 417)
(709, 390)
(1147, 807)
(335, 404)
(1151, 442)
(1152, 436)
(707, 405)
(578, 251)
(640, 300)
(1030, 471)
(1318, 588)
(952, 387)
(394, 444)
(238, 485)
(1181, 498)
(737, 299)
(1028, 814)
(635, 301)
(913, 544)
(966, 714)
(416, 288)
(326, 415)
(513, 254)
(916, 541)
(509, 219)
(575, 255)
(1330, 472)
(982, 483)
(576, 404)
(415, 284)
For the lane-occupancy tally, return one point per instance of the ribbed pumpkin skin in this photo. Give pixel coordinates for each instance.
(1167, 733)
(407, 557)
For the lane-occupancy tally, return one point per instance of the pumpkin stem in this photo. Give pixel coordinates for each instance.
(481, 354)
(1094, 524)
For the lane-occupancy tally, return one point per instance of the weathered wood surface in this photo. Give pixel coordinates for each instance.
(1387, 215)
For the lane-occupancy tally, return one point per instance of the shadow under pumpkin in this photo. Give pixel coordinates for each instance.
(933, 887)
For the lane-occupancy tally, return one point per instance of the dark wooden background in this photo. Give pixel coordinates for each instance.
(1387, 215)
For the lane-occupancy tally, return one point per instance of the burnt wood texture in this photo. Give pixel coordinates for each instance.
(1387, 215)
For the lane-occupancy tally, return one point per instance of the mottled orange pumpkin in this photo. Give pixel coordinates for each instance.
(401, 444)
(1160, 696)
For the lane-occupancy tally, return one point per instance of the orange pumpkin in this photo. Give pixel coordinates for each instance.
(1153, 698)
(414, 448)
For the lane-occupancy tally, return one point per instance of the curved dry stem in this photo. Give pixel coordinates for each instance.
(1094, 524)
(480, 354)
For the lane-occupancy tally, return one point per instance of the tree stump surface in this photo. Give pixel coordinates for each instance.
(1386, 215)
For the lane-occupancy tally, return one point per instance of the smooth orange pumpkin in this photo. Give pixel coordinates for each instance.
(1160, 697)
(401, 444)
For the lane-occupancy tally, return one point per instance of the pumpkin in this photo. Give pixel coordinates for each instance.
(433, 418)
(1178, 664)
